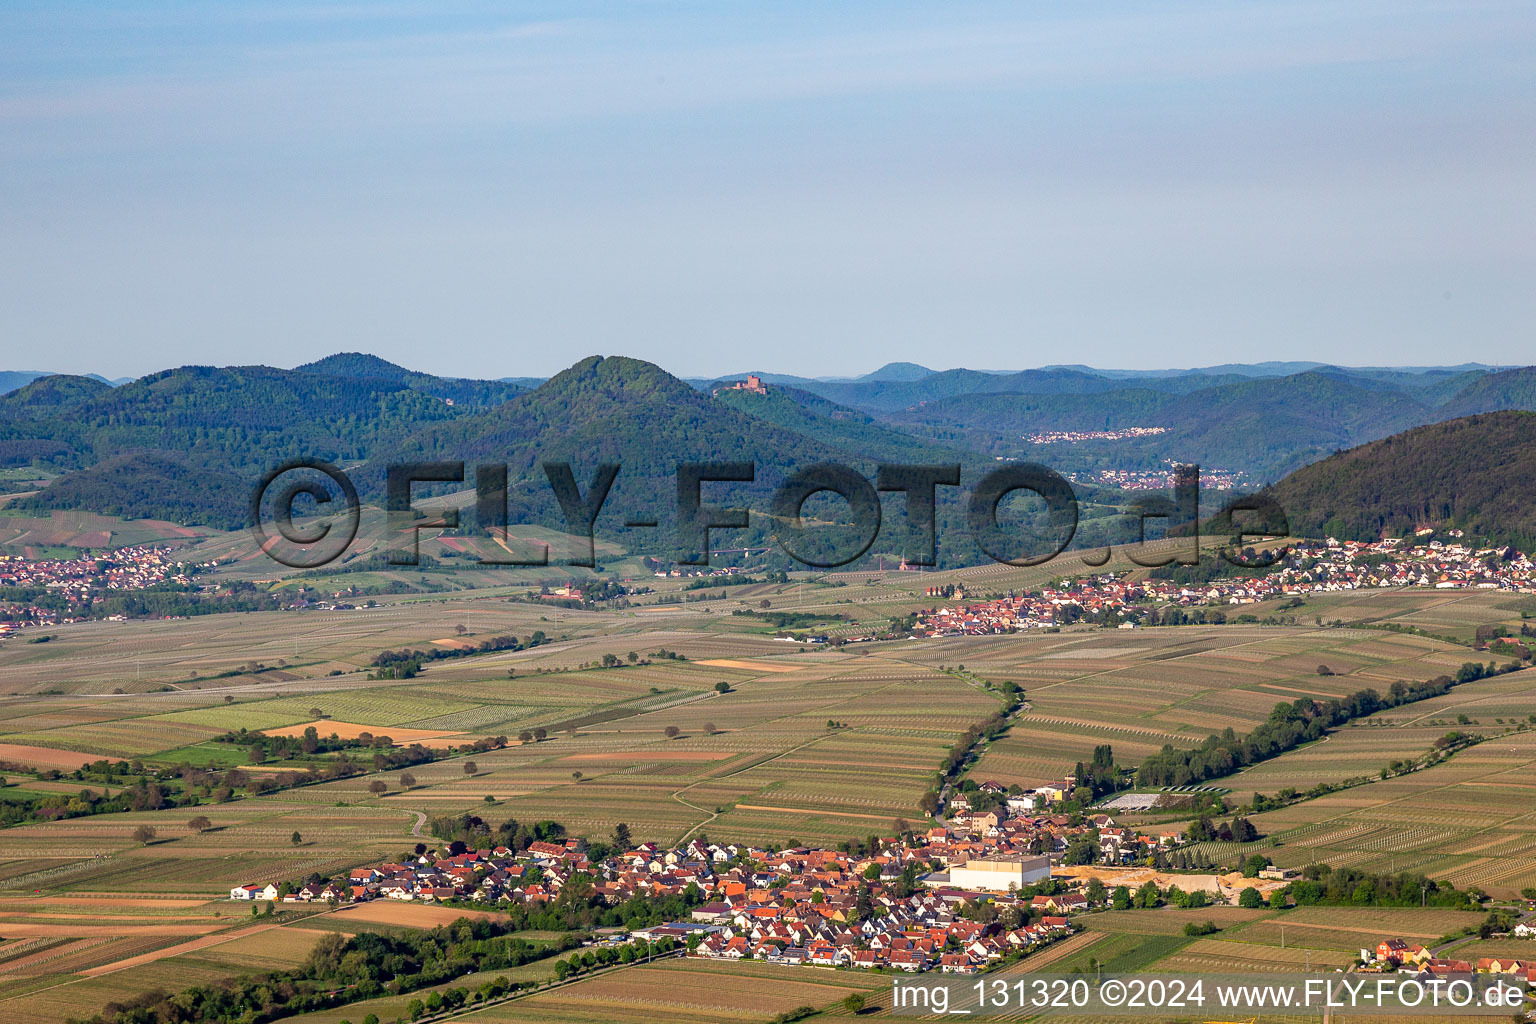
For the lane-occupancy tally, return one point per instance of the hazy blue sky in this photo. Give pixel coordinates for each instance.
(499, 189)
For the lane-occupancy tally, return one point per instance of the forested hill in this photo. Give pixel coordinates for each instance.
(1266, 426)
(631, 412)
(889, 395)
(1509, 389)
(125, 450)
(849, 429)
(120, 446)
(51, 395)
(1477, 474)
(458, 390)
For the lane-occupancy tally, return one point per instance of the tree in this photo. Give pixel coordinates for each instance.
(1253, 865)
(378, 787)
(1250, 898)
(200, 823)
(709, 727)
(1096, 891)
(722, 687)
(296, 839)
(540, 733)
(144, 834)
(1120, 899)
(525, 736)
(415, 1009)
(853, 1002)
(622, 840)
(671, 732)
(1083, 849)
(470, 767)
(407, 780)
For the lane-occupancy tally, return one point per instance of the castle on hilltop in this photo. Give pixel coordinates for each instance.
(753, 383)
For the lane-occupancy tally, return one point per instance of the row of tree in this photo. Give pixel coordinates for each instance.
(1288, 726)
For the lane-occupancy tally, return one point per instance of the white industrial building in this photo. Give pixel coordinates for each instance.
(996, 874)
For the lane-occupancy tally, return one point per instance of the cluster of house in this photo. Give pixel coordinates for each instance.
(1054, 436)
(1352, 565)
(84, 580)
(1017, 825)
(804, 905)
(1307, 569)
(921, 932)
(1161, 479)
(1048, 607)
(1398, 955)
(687, 573)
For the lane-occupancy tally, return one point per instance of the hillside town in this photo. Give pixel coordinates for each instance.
(1059, 436)
(1311, 568)
(1211, 479)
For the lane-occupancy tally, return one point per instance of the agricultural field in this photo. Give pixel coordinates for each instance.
(1522, 949)
(69, 954)
(1468, 819)
(758, 763)
(1348, 930)
(1366, 746)
(1228, 956)
(78, 977)
(808, 745)
(66, 534)
(686, 991)
(1448, 613)
(1174, 685)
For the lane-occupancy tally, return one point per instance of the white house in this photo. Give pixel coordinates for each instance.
(252, 891)
(1524, 930)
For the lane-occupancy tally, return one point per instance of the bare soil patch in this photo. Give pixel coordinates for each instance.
(46, 757)
(411, 914)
